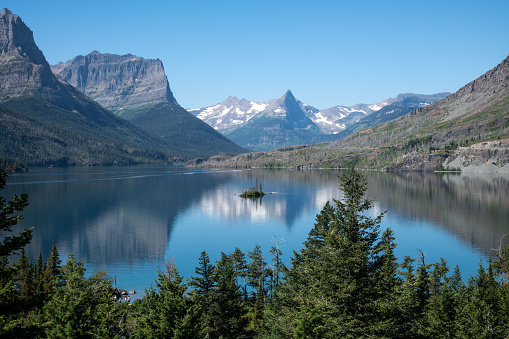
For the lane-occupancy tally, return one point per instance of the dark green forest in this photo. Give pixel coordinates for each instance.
(344, 282)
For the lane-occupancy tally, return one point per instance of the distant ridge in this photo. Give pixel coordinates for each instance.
(237, 119)
(467, 131)
(137, 90)
(282, 122)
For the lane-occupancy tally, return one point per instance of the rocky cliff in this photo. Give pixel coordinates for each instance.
(46, 121)
(117, 82)
(23, 67)
(137, 90)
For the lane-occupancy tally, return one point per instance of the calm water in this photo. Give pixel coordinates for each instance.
(128, 220)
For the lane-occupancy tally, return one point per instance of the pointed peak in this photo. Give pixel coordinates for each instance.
(5, 11)
(288, 94)
(95, 52)
(231, 100)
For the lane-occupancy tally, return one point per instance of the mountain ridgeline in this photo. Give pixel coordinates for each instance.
(465, 131)
(46, 121)
(137, 90)
(287, 121)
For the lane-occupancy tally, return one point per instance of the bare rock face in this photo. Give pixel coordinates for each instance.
(23, 68)
(117, 81)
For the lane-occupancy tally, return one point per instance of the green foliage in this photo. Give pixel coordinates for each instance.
(165, 311)
(253, 192)
(81, 307)
(334, 277)
(9, 217)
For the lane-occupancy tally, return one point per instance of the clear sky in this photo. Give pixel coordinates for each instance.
(326, 52)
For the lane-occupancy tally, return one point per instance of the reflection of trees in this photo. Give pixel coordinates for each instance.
(131, 219)
(124, 220)
(472, 207)
(296, 192)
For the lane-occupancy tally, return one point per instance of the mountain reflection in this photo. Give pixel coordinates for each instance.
(107, 216)
(472, 207)
(293, 193)
(127, 216)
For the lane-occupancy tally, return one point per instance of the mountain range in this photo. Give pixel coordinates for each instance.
(49, 117)
(287, 121)
(46, 121)
(467, 130)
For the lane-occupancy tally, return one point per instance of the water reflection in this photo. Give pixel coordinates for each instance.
(292, 193)
(129, 219)
(96, 216)
(472, 207)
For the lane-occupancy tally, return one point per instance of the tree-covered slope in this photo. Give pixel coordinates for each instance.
(37, 132)
(181, 132)
(137, 90)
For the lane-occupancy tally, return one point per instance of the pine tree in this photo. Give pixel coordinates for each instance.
(165, 310)
(334, 277)
(80, 307)
(239, 260)
(9, 217)
(203, 285)
(11, 244)
(227, 312)
(52, 275)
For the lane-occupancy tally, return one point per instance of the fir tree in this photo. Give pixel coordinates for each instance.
(80, 307)
(227, 312)
(333, 278)
(52, 275)
(165, 310)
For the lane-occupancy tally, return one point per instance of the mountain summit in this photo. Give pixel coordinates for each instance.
(279, 122)
(46, 121)
(23, 67)
(117, 82)
(137, 90)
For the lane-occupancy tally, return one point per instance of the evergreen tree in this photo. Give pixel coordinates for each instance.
(334, 278)
(80, 307)
(239, 260)
(165, 312)
(227, 312)
(10, 281)
(9, 217)
(52, 275)
(277, 264)
(203, 285)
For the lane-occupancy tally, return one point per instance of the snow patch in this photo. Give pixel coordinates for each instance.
(257, 107)
(320, 118)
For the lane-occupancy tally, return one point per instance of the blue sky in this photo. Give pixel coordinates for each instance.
(326, 52)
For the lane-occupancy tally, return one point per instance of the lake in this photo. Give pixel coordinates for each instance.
(129, 220)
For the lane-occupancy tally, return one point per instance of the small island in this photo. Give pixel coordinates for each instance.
(253, 192)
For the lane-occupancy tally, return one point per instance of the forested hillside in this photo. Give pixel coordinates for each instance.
(344, 282)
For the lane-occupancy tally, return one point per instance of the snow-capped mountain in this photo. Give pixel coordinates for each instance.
(230, 113)
(295, 122)
(234, 112)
